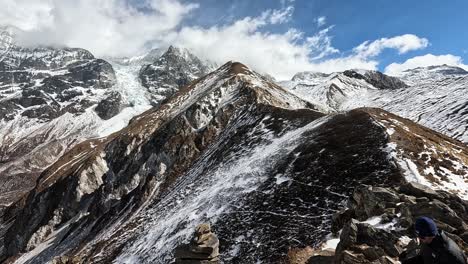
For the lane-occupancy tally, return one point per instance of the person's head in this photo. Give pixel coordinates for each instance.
(426, 229)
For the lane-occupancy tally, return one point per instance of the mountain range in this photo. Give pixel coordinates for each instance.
(116, 160)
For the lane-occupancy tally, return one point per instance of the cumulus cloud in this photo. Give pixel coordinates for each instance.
(283, 54)
(424, 61)
(403, 44)
(106, 27)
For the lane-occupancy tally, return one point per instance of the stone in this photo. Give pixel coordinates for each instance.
(349, 257)
(340, 219)
(464, 236)
(321, 260)
(388, 260)
(437, 210)
(408, 199)
(419, 190)
(110, 106)
(378, 237)
(203, 248)
(422, 200)
(443, 226)
(371, 201)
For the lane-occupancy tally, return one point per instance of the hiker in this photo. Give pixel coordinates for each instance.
(436, 246)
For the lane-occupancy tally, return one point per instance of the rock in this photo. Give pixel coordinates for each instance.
(363, 243)
(408, 199)
(388, 260)
(176, 68)
(411, 250)
(422, 200)
(371, 253)
(66, 260)
(309, 255)
(382, 81)
(418, 190)
(444, 226)
(321, 260)
(340, 219)
(464, 236)
(437, 210)
(204, 247)
(110, 106)
(372, 201)
(378, 237)
(349, 257)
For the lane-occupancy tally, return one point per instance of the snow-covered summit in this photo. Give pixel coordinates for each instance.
(433, 96)
(437, 73)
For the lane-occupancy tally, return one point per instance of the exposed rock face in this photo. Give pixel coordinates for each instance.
(45, 83)
(39, 87)
(110, 106)
(382, 81)
(176, 68)
(265, 167)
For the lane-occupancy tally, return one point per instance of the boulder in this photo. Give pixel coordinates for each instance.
(110, 106)
(419, 190)
(437, 210)
(203, 248)
(371, 201)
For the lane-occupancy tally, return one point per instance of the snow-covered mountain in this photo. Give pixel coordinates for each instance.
(265, 167)
(177, 67)
(433, 96)
(116, 160)
(53, 98)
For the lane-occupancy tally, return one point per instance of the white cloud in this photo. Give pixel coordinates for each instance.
(403, 44)
(424, 61)
(321, 21)
(106, 27)
(282, 54)
(25, 14)
(118, 28)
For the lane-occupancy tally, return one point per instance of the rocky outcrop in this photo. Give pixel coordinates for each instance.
(203, 249)
(110, 106)
(377, 226)
(176, 68)
(377, 79)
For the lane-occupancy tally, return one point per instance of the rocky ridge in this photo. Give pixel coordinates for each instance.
(97, 179)
(432, 96)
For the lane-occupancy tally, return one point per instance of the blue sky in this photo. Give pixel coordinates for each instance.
(279, 37)
(443, 23)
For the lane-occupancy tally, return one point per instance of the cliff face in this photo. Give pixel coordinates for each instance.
(265, 168)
